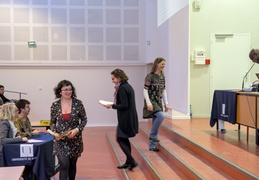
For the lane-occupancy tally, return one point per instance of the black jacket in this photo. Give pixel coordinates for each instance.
(126, 110)
(4, 98)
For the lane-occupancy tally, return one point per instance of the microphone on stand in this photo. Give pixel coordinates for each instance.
(246, 75)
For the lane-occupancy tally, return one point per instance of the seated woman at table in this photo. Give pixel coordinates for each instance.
(22, 123)
(68, 119)
(8, 113)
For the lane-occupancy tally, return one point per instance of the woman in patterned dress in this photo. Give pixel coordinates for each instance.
(155, 99)
(68, 119)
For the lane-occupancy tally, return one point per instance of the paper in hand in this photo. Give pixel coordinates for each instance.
(63, 134)
(105, 102)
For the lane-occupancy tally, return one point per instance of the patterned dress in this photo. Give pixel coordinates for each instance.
(68, 147)
(155, 84)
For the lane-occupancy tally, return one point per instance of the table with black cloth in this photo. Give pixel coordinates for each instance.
(36, 154)
(223, 106)
(236, 107)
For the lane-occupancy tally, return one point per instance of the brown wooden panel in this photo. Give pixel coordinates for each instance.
(246, 112)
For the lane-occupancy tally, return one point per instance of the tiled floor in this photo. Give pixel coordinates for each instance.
(97, 162)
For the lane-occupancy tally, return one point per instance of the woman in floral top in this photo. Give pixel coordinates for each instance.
(68, 119)
(155, 100)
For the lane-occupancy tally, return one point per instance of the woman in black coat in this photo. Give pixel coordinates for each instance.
(124, 103)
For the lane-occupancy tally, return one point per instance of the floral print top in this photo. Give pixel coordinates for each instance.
(23, 126)
(155, 84)
(68, 147)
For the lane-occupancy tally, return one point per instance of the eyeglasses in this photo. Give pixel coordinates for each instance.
(66, 90)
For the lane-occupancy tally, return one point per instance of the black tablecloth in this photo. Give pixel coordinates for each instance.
(223, 107)
(38, 154)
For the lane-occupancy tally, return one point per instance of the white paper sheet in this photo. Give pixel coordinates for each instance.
(105, 102)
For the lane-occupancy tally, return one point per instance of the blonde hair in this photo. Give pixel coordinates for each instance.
(7, 111)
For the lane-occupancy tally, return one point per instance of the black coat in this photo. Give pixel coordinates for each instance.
(126, 110)
(4, 98)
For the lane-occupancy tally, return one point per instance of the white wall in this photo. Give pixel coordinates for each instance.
(82, 41)
(170, 40)
(91, 83)
(178, 71)
(217, 17)
(66, 31)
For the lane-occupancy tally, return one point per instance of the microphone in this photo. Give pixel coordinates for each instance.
(246, 75)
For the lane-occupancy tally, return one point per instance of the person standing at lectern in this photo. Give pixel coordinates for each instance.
(254, 55)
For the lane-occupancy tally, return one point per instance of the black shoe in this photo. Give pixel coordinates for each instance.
(124, 166)
(132, 166)
(154, 149)
(154, 139)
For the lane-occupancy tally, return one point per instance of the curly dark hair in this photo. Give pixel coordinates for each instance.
(118, 73)
(62, 84)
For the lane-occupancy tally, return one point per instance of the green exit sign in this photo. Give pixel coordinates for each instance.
(31, 43)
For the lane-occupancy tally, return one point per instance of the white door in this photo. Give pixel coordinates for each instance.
(229, 61)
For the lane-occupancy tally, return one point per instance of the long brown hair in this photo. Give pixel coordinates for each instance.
(157, 61)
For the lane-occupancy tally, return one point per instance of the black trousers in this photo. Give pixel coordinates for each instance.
(126, 148)
(67, 167)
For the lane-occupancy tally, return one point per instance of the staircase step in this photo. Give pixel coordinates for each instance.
(178, 158)
(186, 161)
(120, 158)
(220, 164)
(224, 165)
(157, 165)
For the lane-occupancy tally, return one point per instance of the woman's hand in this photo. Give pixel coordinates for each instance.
(36, 132)
(24, 139)
(72, 133)
(108, 106)
(150, 108)
(57, 136)
(166, 108)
